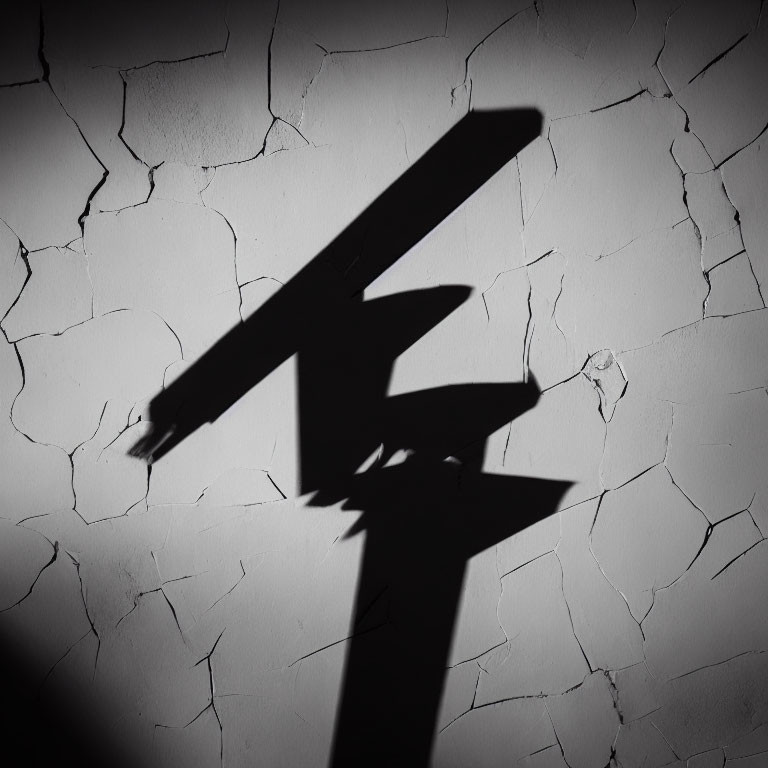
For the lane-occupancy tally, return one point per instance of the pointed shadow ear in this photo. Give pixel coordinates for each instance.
(444, 421)
(344, 374)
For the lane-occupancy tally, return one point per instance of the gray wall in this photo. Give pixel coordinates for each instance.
(163, 171)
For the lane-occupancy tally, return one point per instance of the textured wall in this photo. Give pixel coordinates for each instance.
(164, 170)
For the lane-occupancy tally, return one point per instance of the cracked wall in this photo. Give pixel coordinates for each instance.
(165, 170)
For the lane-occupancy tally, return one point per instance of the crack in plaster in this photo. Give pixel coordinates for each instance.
(740, 555)
(351, 636)
(717, 58)
(228, 592)
(212, 703)
(543, 696)
(570, 616)
(557, 738)
(600, 567)
(46, 79)
(54, 556)
(207, 55)
(76, 563)
(463, 83)
(741, 149)
(23, 254)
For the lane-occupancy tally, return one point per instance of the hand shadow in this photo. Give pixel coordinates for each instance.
(423, 518)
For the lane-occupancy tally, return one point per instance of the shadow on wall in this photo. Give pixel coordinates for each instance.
(412, 463)
(38, 731)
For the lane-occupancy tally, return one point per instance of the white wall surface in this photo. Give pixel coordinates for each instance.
(164, 170)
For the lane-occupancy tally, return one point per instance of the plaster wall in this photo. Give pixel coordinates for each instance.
(165, 170)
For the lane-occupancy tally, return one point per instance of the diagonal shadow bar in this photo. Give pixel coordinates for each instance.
(423, 519)
(456, 166)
